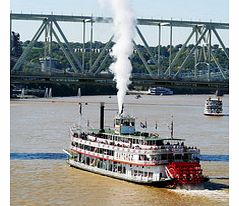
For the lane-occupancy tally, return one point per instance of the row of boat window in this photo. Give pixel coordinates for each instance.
(166, 146)
(119, 139)
(112, 166)
(125, 122)
(124, 156)
(93, 149)
(102, 164)
(213, 107)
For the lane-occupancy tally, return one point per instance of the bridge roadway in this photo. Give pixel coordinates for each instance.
(140, 21)
(107, 79)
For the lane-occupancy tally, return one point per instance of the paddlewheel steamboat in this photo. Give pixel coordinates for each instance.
(140, 157)
(213, 107)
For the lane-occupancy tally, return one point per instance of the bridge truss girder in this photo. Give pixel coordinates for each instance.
(203, 31)
(50, 25)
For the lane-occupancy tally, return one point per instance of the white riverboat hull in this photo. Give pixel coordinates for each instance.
(213, 114)
(164, 182)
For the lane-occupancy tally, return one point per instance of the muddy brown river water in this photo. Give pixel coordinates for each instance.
(39, 132)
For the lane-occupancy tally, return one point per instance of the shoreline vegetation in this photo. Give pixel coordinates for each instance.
(33, 65)
(90, 52)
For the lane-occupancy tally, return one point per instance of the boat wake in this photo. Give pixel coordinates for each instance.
(220, 195)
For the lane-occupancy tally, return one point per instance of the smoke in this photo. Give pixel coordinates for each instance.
(124, 29)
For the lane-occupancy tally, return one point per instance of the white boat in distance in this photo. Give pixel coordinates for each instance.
(135, 156)
(160, 91)
(213, 107)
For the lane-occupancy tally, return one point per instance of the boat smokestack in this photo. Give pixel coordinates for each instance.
(102, 108)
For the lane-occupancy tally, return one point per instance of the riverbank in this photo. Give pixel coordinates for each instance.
(65, 90)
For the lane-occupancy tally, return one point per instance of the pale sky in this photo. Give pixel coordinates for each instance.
(204, 10)
(217, 10)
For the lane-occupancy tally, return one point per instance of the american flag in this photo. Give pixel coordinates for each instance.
(143, 125)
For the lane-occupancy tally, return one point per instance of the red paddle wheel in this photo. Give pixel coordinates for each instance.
(184, 173)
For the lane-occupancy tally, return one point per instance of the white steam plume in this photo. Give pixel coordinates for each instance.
(124, 29)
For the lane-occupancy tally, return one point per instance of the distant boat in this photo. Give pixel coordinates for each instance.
(213, 107)
(160, 91)
(136, 92)
(26, 93)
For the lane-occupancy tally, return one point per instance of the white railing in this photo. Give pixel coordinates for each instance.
(177, 149)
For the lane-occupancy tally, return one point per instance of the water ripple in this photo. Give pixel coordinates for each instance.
(34, 156)
(223, 158)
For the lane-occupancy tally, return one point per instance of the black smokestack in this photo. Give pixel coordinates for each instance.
(102, 107)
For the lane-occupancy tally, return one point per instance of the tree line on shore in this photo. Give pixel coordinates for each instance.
(91, 52)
